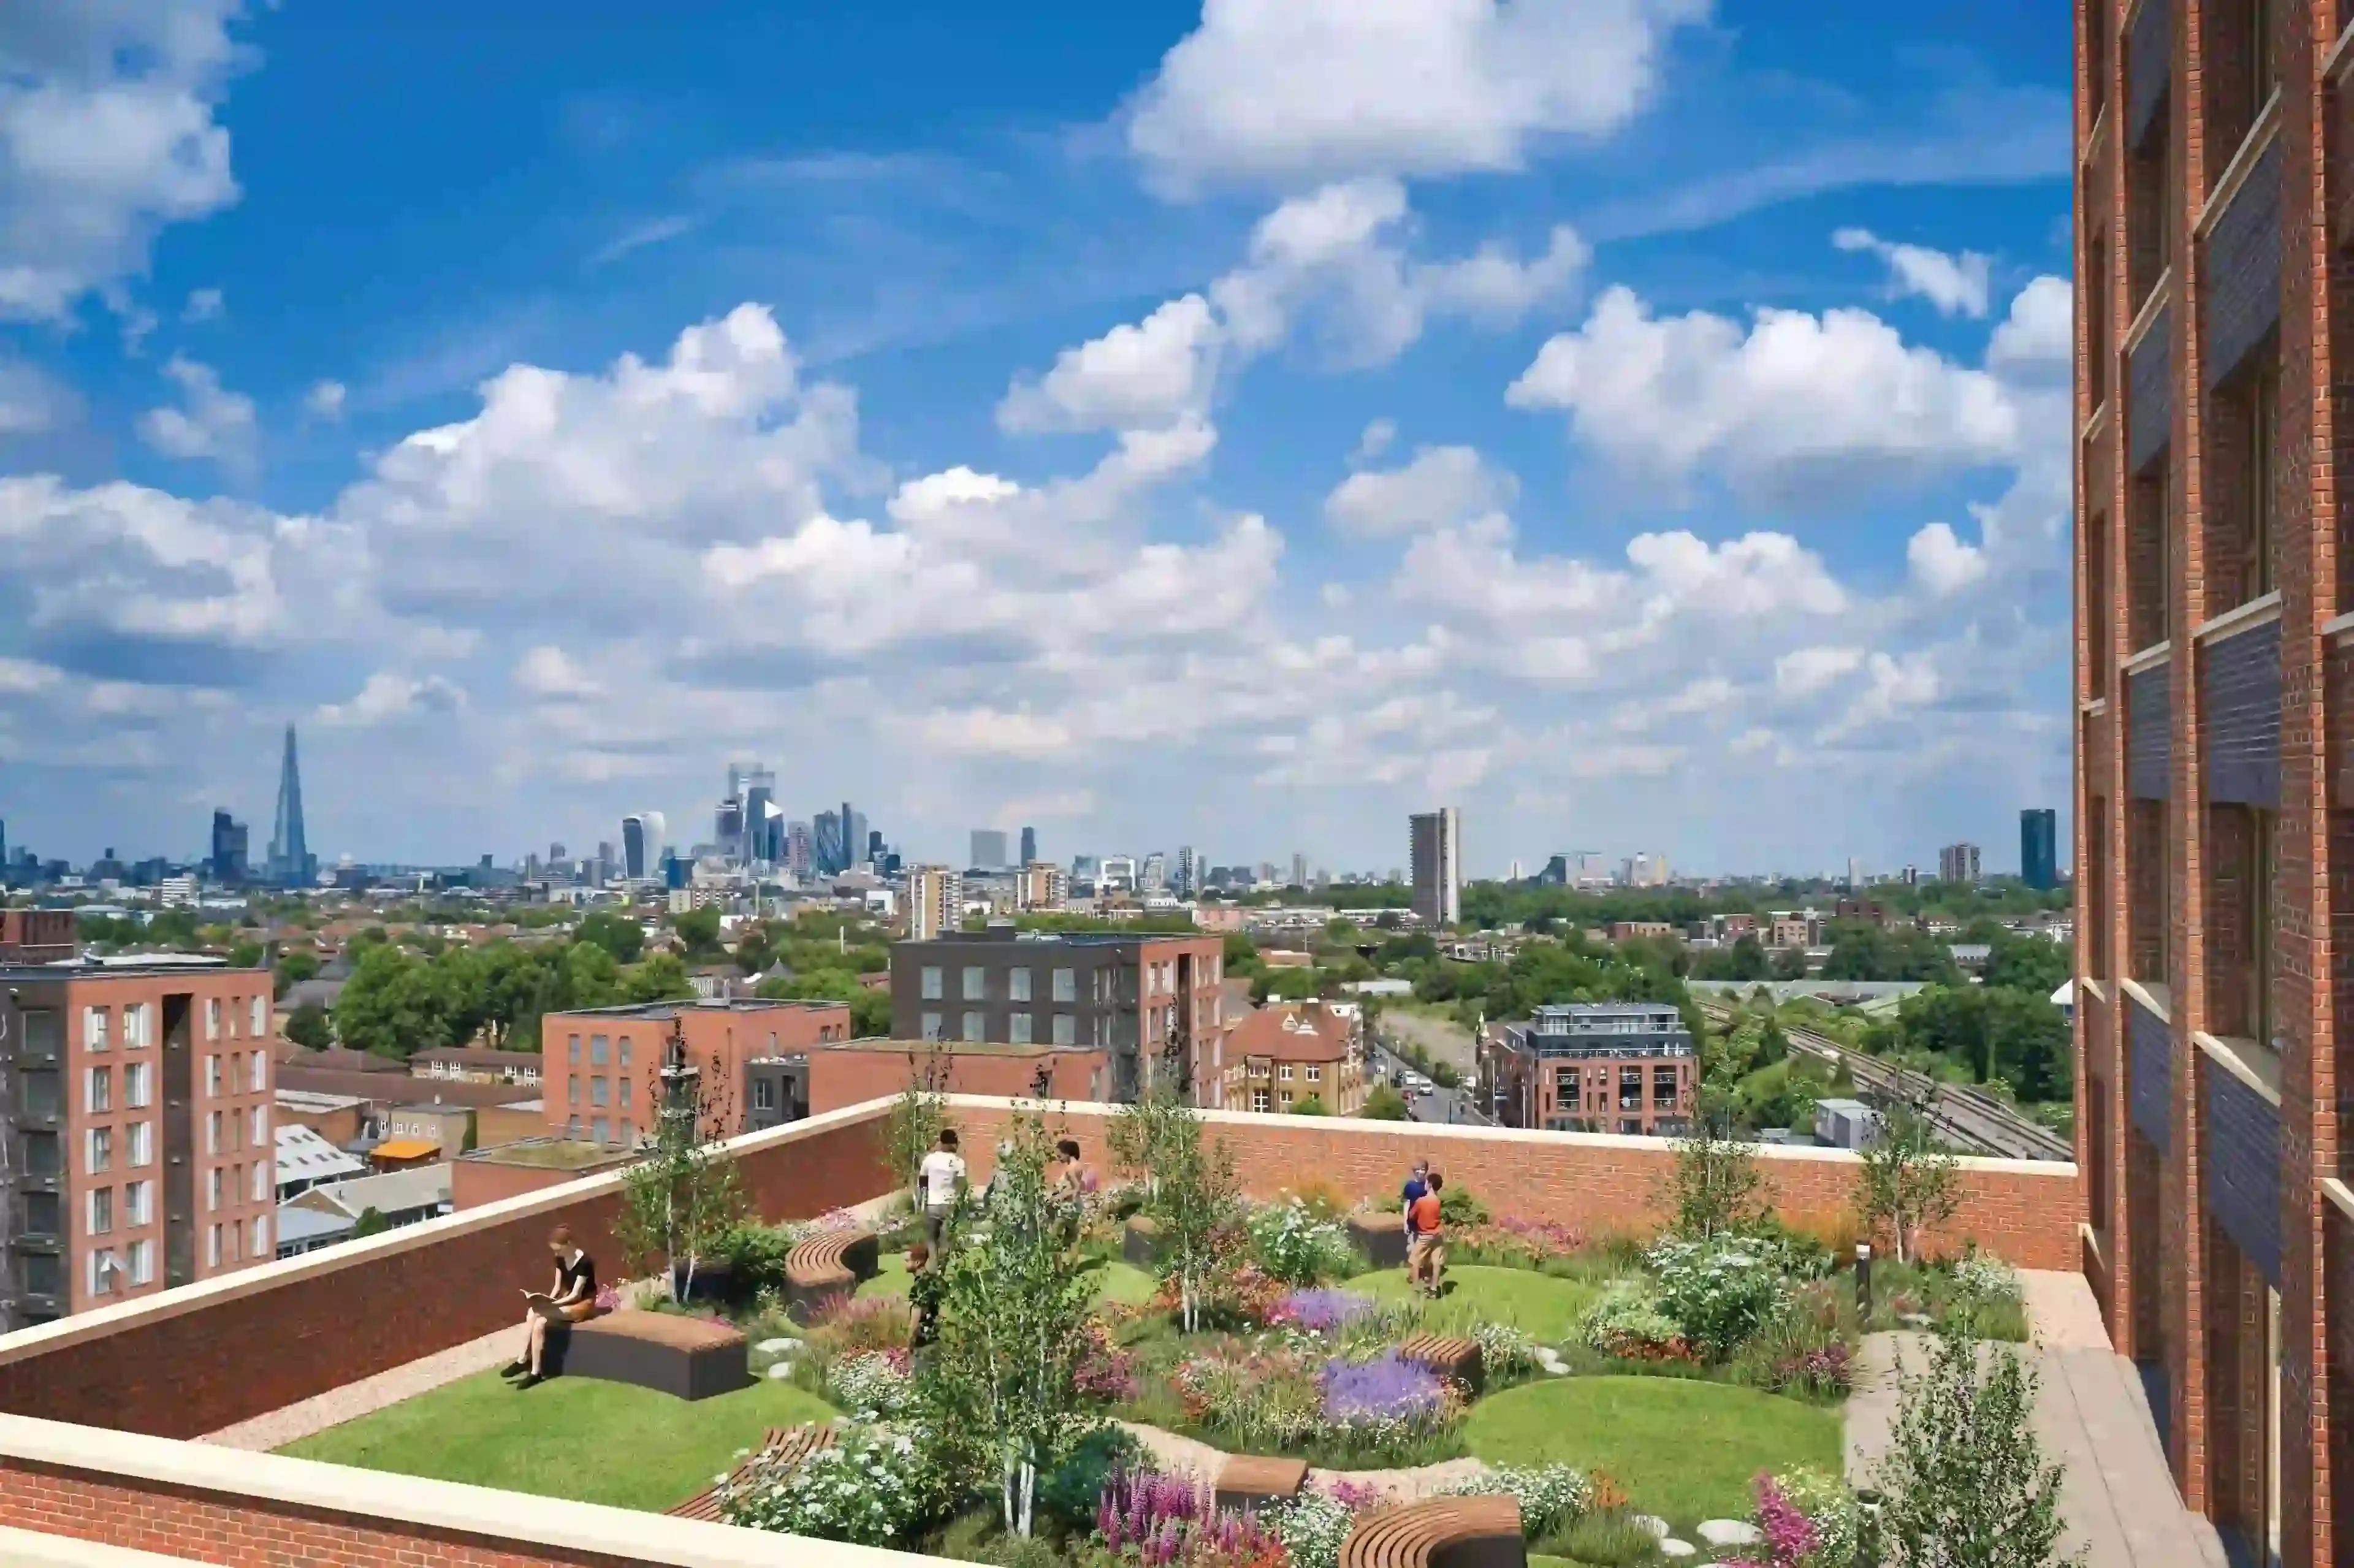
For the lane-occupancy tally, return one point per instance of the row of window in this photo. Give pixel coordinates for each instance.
(600, 1047)
(109, 1273)
(1063, 985)
(233, 1243)
(246, 1072)
(601, 1091)
(138, 1208)
(241, 1017)
(1313, 1072)
(599, 1129)
(1021, 1031)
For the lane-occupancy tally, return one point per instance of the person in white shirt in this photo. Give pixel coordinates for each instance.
(939, 1180)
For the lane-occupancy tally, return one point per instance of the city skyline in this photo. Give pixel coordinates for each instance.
(1351, 530)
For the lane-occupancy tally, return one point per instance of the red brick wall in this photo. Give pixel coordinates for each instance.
(1601, 1185)
(200, 1360)
(849, 1074)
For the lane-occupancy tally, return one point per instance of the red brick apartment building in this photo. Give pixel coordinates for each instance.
(1622, 1067)
(136, 1102)
(2214, 686)
(598, 1065)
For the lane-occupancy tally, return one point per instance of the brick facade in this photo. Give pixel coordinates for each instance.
(2213, 191)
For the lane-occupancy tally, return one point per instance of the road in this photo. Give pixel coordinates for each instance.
(1441, 1106)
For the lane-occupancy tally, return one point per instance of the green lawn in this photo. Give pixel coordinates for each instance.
(569, 1437)
(1116, 1281)
(1683, 1449)
(1539, 1305)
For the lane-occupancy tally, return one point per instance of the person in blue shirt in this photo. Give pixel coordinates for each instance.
(1417, 1182)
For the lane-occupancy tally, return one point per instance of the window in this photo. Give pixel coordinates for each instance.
(143, 1144)
(93, 1029)
(625, 1091)
(259, 1227)
(1258, 1099)
(97, 1089)
(213, 1133)
(572, 1127)
(764, 1093)
(257, 1118)
(1066, 988)
(97, 1151)
(103, 1270)
(101, 1216)
(258, 1011)
(572, 1091)
(212, 1018)
(598, 1091)
(1315, 1072)
(213, 1188)
(1287, 1099)
(931, 1026)
(212, 1246)
(976, 983)
(628, 1133)
(1284, 1072)
(138, 1202)
(2262, 56)
(1017, 985)
(598, 1129)
(600, 1047)
(137, 1019)
(1066, 1030)
(625, 1049)
(972, 1027)
(212, 1077)
(572, 1049)
(257, 1185)
(1024, 1024)
(257, 1068)
(931, 986)
(142, 1262)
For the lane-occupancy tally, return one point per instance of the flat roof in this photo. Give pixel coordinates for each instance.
(659, 1010)
(144, 968)
(550, 1153)
(403, 1148)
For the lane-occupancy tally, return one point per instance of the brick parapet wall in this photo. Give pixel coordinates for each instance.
(2025, 1212)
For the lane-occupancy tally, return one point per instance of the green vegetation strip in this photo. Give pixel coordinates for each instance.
(1116, 1281)
(1683, 1449)
(1543, 1307)
(571, 1437)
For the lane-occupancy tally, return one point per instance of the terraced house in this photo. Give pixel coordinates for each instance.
(2214, 687)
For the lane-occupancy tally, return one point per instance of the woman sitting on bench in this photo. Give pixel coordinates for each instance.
(572, 1299)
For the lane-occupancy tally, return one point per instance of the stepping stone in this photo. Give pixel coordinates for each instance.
(1914, 1319)
(778, 1347)
(1550, 1358)
(1672, 1547)
(1650, 1521)
(1723, 1533)
(781, 1370)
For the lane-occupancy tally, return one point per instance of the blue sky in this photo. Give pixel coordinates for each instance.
(1234, 425)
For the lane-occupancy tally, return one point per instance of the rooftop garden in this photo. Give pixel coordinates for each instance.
(1674, 1399)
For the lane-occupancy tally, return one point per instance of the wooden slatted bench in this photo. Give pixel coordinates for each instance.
(1245, 1480)
(828, 1265)
(783, 1446)
(693, 1358)
(1451, 1356)
(1379, 1236)
(1440, 1532)
(1139, 1240)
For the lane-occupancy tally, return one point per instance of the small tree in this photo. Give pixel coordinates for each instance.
(1141, 1134)
(1312, 1105)
(1716, 1185)
(918, 1114)
(1965, 1480)
(371, 1223)
(1907, 1184)
(1002, 1381)
(683, 1193)
(1383, 1104)
(1193, 1204)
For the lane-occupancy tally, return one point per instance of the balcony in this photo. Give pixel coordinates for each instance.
(103, 1408)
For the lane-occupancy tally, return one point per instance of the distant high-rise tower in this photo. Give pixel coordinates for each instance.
(633, 848)
(1435, 845)
(227, 861)
(935, 902)
(827, 855)
(988, 850)
(1029, 845)
(1959, 863)
(1185, 888)
(291, 864)
(2039, 847)
(798, 847)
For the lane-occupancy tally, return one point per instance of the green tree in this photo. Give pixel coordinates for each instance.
(1002, 1381)
(1965, 1482)
(1188, 1186)
(393, 1005)
(1383, 1104)
(622, 938)
(659, 977)
(2027, 963)
(1715, 1186)
(698, 930)
(294, 968)
(245, 955)
(371, 1223)
(308, 1026)
(1790, 964)
(1312, 1105)
(682, 1194)
(916, 1116)
(1907, 1184)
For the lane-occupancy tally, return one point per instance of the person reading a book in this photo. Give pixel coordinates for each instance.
(571, 1299)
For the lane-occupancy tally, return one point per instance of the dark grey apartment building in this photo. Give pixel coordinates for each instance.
(1133, 997)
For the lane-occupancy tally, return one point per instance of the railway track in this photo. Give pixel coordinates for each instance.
(1965, 1115)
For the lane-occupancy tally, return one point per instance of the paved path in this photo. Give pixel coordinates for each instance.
(2118, 1498)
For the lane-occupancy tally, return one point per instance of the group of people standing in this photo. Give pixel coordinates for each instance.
(1426, 1249)
(942, 1185)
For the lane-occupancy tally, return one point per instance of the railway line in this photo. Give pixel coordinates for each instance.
(1967, 1116)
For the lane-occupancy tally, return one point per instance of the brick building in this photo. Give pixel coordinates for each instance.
(600, 1066)
(1135, 998)
(136, 1102)
(2215, 688)
(35, 935)
(1624, 1067)
(1285, 1053)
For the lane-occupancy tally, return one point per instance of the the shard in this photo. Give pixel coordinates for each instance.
(291, 864)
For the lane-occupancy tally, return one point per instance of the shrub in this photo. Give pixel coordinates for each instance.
(1828, 1505)
(1626, 1320)
(1293, 1245)
(1552, 1497)
(1964, 1480)
(1460, 1206)
(1791, 1540)
(1718, 1291)
(1504, 1349)
(873, 1487)
(849, 1324)
(1106, 1371)
(1311, 1526)
(1068, 1493)
(871, 1383)
(754, 1255)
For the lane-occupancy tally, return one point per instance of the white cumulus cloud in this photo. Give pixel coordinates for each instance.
(1442, 486)
(1956, 283)
(387, 696)
(210, 422)
(1941, 562)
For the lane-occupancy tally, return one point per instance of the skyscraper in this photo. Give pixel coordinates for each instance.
(798, 847)
(633, 848)
(988, 849)
(1436, 848)
(1959, 863)
(1029, 845)
(2039, 847)
(291, 864)
(764, 821)
(1184, 886)
(227, 861)
(826, 845)
(853, 836)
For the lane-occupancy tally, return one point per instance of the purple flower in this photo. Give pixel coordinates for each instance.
(1387, 1388)
(1320, 1311)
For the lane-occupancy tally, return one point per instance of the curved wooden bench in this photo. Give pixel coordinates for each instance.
(693, 1358)
(828, 1265)
(1380, 1234)
(782, 1446)
(1139, 1240)
(1448, 1355)
(1440, 1532)
(1245, 1480)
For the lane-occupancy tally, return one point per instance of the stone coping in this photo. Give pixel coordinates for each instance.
(27, 1549)
(484, 1512)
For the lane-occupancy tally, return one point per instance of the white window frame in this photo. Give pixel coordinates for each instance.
(98, 1212)
(137, 1085)
(142, 1255)
(258, 1011)
(97, 1151)
(138, 1202)
(141, 1140)
(93, 1029)
(212, 1018)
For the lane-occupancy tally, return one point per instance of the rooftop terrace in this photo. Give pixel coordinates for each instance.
(118, 1420)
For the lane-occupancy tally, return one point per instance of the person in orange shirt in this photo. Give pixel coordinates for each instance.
(1425, 1258)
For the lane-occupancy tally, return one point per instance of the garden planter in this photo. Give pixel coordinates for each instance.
(1379, 1236)
(1139, 1240)
(712, 1282)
